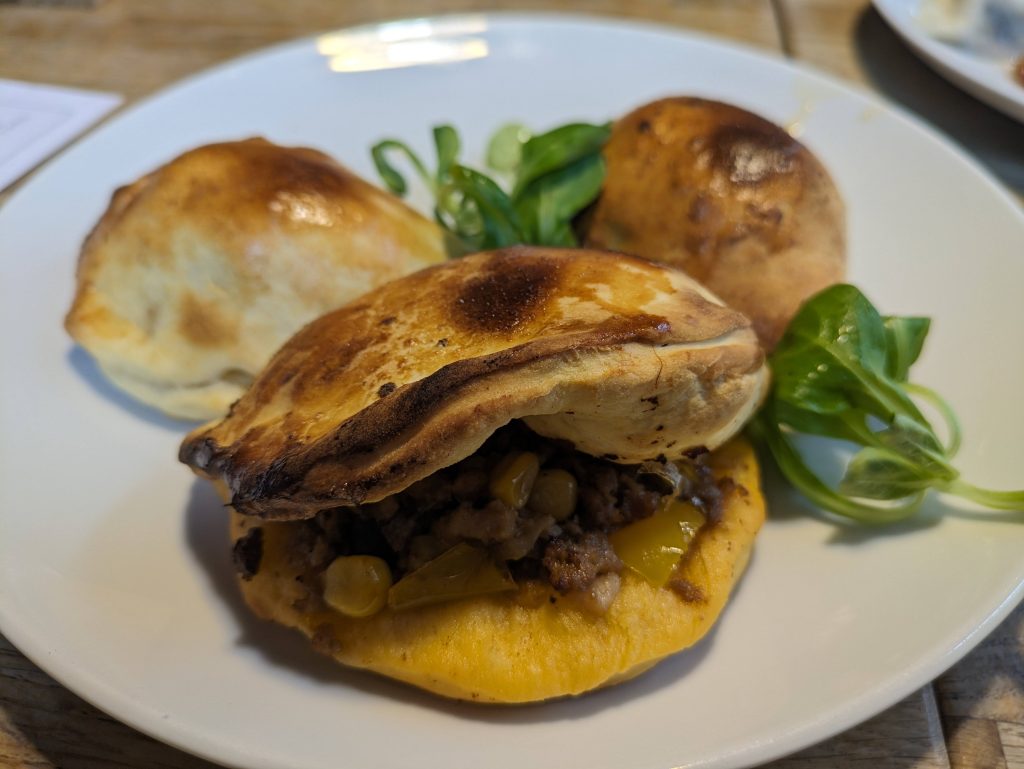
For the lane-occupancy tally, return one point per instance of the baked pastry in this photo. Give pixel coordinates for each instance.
(513, 443)
(200, 270)
(728, 197)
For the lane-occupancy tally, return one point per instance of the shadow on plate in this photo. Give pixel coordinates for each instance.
(86, 367)
(206, 524)
(993, 138)
(786, 505)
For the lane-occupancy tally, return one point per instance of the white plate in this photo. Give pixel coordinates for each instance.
(114, 572)
(987, 79)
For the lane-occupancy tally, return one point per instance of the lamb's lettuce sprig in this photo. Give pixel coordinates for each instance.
(554, 176)
(841, 371)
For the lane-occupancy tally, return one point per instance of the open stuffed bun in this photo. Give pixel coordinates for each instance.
(492, 478)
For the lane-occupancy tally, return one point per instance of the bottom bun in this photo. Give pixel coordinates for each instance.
(533, 643)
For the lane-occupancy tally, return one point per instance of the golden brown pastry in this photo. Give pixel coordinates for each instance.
(201, 269)
(624, 358)
(490, 479)
(728, 197)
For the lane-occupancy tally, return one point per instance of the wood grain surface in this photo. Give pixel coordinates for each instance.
(971, 718)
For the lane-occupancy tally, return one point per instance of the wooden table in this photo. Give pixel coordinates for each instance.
(970, 718)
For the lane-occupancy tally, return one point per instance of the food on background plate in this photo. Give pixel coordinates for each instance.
(992, 27)
(490, 479)
(728, 197)
(200, 270)
(991, 30)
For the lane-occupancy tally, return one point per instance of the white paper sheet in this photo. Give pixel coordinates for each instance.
(37, 120)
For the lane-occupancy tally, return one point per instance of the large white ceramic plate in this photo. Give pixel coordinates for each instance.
(114, 573)
(985, 78)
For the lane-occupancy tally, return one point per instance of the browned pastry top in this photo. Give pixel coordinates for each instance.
(624, 358)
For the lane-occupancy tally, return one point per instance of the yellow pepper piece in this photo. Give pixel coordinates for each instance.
(357, 585)
(459, 572)
(513, 478)
(653, 546)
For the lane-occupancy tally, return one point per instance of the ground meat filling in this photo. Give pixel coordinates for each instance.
(563, 542)
(574, 564)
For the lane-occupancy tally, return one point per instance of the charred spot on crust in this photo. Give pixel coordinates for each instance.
(509, 293)
(442, 342)
(754, 152)
(386, 389)
(388, 320)
(247, 553)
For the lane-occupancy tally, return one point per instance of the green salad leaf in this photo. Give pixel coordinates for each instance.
(841, 371)
(506, 147)
(554, 176)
